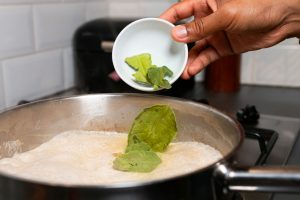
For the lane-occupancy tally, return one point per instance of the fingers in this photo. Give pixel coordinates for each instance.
(179, 11)
(200, 28)
(205, 58)
(199, 61)
(206, 21)
(193, 54)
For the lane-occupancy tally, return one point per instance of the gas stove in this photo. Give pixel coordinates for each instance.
(270, 140)
(282, 153)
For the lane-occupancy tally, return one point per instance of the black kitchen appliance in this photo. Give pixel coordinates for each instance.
(92, 45)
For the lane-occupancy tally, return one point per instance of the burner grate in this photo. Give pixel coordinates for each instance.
(266, 139)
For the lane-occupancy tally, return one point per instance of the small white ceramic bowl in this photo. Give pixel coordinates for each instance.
(148, 35)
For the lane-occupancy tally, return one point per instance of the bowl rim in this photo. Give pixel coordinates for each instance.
(140, 86)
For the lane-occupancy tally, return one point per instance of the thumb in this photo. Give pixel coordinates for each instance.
(199, 28)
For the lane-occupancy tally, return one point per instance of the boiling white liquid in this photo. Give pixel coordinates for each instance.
(86, 157)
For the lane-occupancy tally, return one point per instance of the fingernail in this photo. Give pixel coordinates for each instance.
(180, 31)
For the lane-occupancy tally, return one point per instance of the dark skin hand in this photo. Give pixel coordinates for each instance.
(226, 27)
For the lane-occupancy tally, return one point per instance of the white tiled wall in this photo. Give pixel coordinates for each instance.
(16, 35)
(36, 55)
(32, 76)
(55, 23)
(35, 41)
(35, 45)
(98, 9)
(154, 8)
(275, 66)
(137, 8)
(69, 69)
(2, 103)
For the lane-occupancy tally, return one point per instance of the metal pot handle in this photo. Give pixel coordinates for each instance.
(257, 178)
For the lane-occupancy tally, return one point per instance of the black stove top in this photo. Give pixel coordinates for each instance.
(270, 140)
(288, 131)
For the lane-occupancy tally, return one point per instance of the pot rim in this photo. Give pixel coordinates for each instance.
(131, 184)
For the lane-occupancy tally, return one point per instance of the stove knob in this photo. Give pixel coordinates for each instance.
(248, 115)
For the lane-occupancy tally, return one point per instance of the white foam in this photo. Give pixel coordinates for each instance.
(86, 157)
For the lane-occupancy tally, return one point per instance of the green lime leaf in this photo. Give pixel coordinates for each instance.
(167, 71)
(138, 146)
(153, 129)
(137, 161)
(137, 61)
(141, 62)
(156, 76)
(165, 84)
(139, 77)
(147, 73)
(155, 126)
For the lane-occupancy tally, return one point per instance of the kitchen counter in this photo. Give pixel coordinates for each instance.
(268, 100)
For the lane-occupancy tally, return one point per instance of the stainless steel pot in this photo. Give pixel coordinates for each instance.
(28, 126)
